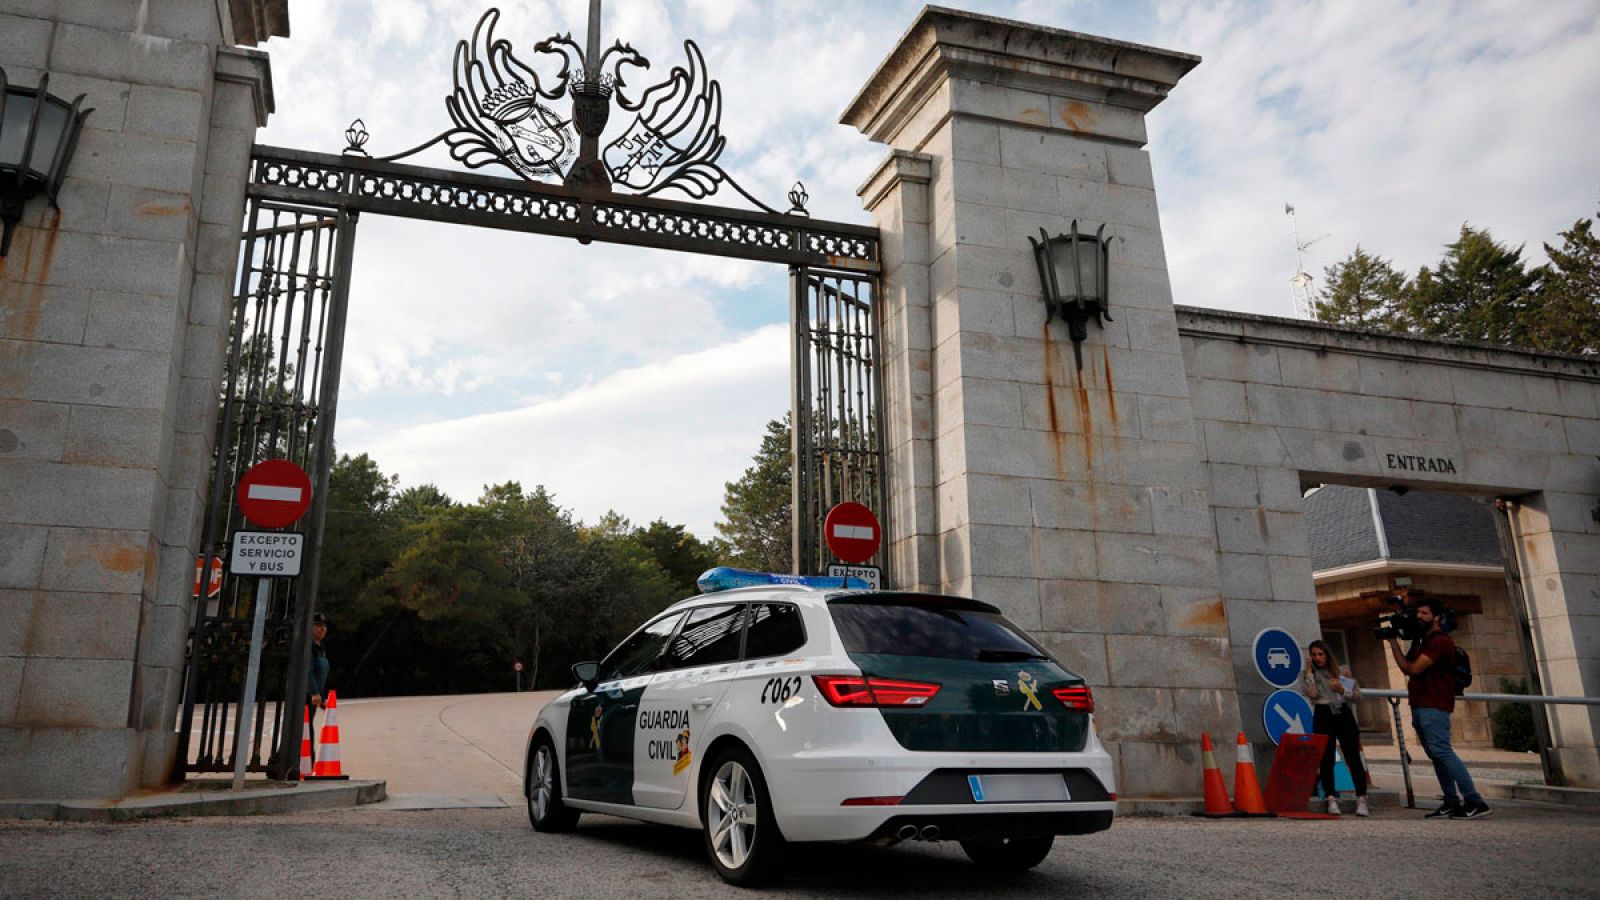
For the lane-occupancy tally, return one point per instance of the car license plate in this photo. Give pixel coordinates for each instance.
(1043, 787)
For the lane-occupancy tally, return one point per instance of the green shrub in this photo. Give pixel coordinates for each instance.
(1512, 723)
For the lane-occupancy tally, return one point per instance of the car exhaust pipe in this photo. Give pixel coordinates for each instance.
(929, 833)
(907, 832)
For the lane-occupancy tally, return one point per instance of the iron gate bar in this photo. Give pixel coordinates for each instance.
(272, 407)
(837, 398)
(365, 185)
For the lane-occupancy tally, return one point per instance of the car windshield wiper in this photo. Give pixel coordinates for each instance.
(989, 654)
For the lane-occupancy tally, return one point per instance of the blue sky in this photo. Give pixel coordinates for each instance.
(640, 380)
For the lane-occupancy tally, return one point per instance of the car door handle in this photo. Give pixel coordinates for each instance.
(703, 702)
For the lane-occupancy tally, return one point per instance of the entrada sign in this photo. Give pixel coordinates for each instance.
(1443, 465)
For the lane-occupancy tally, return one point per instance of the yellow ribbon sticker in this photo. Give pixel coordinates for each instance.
(1026, 684)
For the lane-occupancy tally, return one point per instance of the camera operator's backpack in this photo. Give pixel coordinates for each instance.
(1462, 671)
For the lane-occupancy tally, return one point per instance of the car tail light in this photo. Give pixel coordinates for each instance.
(871, 801)
(1076, 698)
(859, 690)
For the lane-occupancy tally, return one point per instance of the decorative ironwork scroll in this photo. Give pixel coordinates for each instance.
(504, 113)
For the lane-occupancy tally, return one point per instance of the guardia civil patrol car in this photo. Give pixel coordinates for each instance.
(797, 709)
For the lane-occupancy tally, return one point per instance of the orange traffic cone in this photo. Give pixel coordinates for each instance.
(305, 745)
(327, 764)
(1216, 791)
(1246, 788)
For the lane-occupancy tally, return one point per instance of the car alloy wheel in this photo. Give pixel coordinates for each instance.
(741, 833)
(546, 810)
(543, 782)
(733, 814)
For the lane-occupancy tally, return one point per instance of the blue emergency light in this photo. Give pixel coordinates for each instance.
(726, 578)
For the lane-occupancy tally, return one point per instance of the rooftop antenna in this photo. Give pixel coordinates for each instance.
(1305, 301)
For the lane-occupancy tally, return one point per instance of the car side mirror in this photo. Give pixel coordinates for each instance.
(587, 673)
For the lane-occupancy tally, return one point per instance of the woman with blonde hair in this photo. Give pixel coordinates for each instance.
(1333, 714)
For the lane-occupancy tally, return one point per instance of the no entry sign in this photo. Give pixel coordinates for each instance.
(274, 493)
(852, 532)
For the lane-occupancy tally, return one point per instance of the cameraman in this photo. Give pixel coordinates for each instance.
(1429, 666)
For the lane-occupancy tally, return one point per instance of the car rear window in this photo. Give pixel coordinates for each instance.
(945, 631)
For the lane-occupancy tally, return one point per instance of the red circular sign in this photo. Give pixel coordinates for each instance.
(274, 493)
(517, 667)
(852, 532)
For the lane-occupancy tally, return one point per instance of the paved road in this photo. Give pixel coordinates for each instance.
(1519, 852)
(456, 826)
(441, 751)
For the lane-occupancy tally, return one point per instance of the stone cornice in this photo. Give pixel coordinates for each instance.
(945, 42)
(254, 21)
(253, 69)
(1249, 327)
(901, 165)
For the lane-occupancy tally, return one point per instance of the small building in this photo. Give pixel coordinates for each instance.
(1369, 545)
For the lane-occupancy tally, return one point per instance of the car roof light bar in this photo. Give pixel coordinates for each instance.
(727, 578)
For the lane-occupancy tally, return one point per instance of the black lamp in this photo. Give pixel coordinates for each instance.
(1073, 271)
(38, 132)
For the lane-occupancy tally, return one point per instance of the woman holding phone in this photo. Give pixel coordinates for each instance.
(1332, 697)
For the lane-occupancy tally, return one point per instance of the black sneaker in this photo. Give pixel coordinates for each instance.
(1446, 810)
(1472, 811)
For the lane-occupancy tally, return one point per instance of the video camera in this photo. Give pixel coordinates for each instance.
(1401, 623)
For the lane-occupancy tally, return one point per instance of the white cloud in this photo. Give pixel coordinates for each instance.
(654, 441)
(478, 356)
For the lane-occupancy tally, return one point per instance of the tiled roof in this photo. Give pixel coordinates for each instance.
(1418, 525)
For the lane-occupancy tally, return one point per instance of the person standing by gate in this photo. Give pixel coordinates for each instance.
(1431, 685)
(1334, 715)
(317, 678)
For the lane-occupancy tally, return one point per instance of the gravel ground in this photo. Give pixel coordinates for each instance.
(1523, 850)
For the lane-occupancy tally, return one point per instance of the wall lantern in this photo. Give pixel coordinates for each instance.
(1073, 272)
(38, 132)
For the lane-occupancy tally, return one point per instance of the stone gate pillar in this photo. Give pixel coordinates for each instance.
(113, 327)
(1075, 500)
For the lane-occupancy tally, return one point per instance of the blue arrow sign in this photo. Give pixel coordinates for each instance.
(1285, 712)
(1278, 657)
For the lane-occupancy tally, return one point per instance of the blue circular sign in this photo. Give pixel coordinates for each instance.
(1277, 656)
(1286, 711)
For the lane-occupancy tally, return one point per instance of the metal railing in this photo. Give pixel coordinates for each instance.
(1394, 697)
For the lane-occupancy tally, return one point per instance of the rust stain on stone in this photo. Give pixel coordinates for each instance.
(1058, 452)
(1206, 614)
(121, 559)
(29, 286)
(1111, 396)
(159, 209)
(52, 231)
(1077, 116)
(1085, 420)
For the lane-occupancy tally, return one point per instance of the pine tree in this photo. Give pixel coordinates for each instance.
(1363, 290)
(1566, 318)
(1479, 291)
(758, 505)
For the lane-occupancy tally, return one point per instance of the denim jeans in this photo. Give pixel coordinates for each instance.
(1433, 727)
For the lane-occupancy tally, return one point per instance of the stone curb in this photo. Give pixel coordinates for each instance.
(1582, 799)
(262, 801)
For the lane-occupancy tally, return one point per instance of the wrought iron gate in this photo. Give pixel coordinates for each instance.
(279, 390)
(281, 385)
(837, 433)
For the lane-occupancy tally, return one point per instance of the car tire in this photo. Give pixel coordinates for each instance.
(741, 832)
(546, 810)
(1009, 854)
